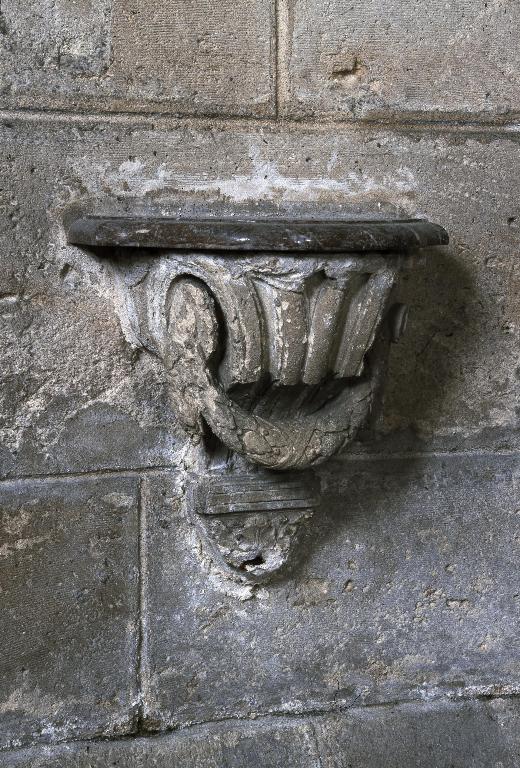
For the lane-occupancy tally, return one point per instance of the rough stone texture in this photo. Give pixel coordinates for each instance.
(445, 735)
(69, 398)
(396, 595)
(177, 56)
(66, 367)
(468, 735)
(234, 746)
(68, 608)
(406, 587)
(406, 56)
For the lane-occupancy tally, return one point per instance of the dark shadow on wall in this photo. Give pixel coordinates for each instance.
(437, 358)
(424, 370)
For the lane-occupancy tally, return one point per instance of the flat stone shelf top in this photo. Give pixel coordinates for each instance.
(239, 234)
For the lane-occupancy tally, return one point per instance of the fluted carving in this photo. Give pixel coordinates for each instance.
(272, 323)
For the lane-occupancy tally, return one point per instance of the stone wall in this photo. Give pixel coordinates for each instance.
(394, 640)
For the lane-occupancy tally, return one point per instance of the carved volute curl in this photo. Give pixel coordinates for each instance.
(274, 335)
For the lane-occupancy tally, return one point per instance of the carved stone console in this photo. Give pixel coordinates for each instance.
(274, 335)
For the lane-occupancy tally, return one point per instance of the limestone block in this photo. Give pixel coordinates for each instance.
(270, 745)
(183, 57)
(68, 608)
(406, 586)
(428, 735)
(378, 58)
(436, 735)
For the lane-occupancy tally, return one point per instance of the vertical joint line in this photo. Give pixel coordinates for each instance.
(281, 14)
(276, 58)
(141, 608)
(282, 46)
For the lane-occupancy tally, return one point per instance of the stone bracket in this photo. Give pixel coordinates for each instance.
(274, 335)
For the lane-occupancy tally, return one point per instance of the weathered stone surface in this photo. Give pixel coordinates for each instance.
(68, 608)
(109, 55)
(408, 583)
(267, 308)
(376, 58)
(269, 745)
(405, 587)
(71, 399)
(251, 523)
(238, 339)
(480, 734)
(67, 368)
(472, 734)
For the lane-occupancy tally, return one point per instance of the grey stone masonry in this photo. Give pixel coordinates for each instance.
(382, 629)
(394, 598)
(68, 608)
(138, 55)
(401, 58)
(76, 396)
(478, 734)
